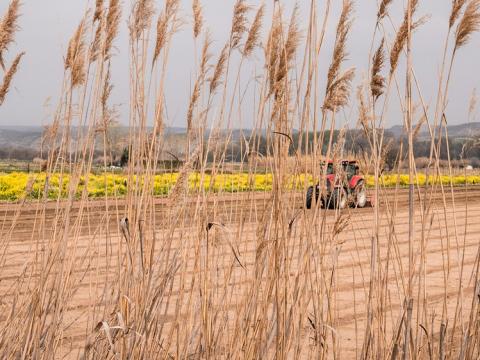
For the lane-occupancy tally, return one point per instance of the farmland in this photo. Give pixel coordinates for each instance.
(15, 186)
(98, 256)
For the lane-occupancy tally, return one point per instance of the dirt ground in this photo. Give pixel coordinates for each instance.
(97, 258)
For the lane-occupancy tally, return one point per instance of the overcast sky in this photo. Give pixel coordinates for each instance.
(47, 25)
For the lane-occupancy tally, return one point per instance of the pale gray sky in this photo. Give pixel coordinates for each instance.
(47, 25)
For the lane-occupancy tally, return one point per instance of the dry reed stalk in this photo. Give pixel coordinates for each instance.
(8, 27)
(7, 79)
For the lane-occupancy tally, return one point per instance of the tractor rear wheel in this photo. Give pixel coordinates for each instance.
(360, 195)
(309, 201)
(339, 198)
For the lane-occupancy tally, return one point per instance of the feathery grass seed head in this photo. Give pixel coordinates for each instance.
(7, 79)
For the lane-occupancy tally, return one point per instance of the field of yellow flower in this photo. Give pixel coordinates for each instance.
(15, 186)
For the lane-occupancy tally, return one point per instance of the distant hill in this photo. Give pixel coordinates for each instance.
(26, 140)
(454, 131)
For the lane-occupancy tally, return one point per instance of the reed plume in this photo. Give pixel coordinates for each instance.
(288, 51)
(363, 113)
(457, 6)
(75, 59)
(272, 50)
(254, 33)
(97, 15)
(197, 18)
(106, 92)
(205, 54)
(165, 20)
(377, 83)
(7, 79)
(338, 86)
(219, 69)
(113, 21)
(142, 18)
(339, 93)
(239, 23)
(339, 52)
(8, 26)
(383, 9)
(401, 37)
(469, 24)
(96, 44)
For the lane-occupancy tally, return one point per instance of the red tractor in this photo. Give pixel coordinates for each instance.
(345, 186)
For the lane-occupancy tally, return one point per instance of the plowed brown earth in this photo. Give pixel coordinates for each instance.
(97, 260)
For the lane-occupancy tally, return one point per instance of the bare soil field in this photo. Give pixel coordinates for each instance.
(236, 251)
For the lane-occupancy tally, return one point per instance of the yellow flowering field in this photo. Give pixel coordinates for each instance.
(14, 186)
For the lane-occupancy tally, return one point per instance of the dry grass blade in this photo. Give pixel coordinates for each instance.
(197, 18)
(8, 26)
(7, 79)
(113, 21)
(469, 24)
(219, 69)
(457, 6)
(239, 23)
(377, 83)
(254, 33)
